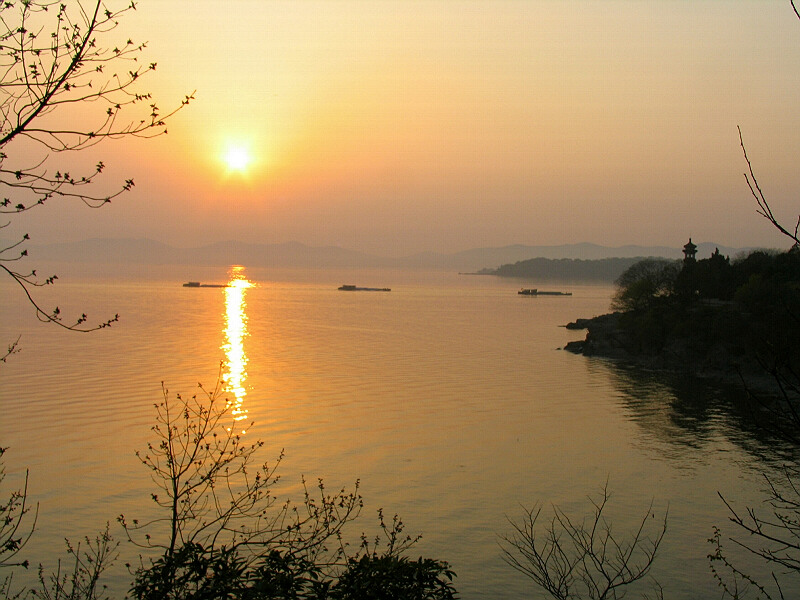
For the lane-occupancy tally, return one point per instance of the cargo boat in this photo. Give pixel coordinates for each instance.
(355, 288)
(536, 292)
(197, 284)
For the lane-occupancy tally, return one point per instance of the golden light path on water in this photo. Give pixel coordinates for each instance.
(235, 332)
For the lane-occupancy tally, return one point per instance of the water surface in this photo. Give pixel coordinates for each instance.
(448, 398)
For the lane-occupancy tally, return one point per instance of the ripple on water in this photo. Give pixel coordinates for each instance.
(448, 400)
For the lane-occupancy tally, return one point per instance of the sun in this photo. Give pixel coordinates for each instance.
(237, 158)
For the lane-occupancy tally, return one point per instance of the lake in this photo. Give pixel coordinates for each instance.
(448, 398)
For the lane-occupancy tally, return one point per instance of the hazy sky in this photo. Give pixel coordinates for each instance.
(396, 127)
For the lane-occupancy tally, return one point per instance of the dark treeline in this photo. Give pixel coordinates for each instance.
(604, 270)
(707, 315)
(736, 320)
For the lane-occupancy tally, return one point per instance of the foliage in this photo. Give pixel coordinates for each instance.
(770, 292)
(379, 571)
(392, 577)
(65, 86)
(709, 278)
(773, 535)
(16, 527)
(717, 315)
(213, 494)
(82, 580)
(191, 572)
(194, 573)
(223, 534)
(573, 559)
(12, 348)
(644, 282)
(772, 531)
(734, 582)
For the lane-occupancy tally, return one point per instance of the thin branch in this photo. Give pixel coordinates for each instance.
(764, 208)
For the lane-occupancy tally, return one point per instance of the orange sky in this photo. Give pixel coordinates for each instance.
(396, 127)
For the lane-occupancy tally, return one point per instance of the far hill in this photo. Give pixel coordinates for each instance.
(298, 255)
(598, 267)
(605, 270)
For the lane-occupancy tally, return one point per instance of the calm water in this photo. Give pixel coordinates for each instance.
(448, 398)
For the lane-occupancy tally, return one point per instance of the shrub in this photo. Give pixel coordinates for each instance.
(644, 282)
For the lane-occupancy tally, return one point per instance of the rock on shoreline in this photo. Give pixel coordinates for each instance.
(604, 337)
(607, 338)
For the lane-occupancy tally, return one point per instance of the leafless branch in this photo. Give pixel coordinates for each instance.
(214, 494)
(764, 208)
(582, 559)
(56, 55)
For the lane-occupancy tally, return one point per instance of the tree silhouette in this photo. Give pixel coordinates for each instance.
(572, 559)
(764, 208)
(771, 531)
(644, 283)
(16, 527)
(222, 532)
(64, 87)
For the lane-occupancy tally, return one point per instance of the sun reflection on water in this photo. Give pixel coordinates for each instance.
(235, 332)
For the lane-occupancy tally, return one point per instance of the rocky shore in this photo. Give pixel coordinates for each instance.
(604, 337)
(607, 337)
(712, 318)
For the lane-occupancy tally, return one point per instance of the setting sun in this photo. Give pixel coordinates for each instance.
(237, 158)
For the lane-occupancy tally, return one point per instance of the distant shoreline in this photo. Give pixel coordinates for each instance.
(483, 261)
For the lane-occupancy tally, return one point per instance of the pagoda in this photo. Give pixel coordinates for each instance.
(689, 252)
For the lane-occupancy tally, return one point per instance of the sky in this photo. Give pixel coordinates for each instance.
(402, 127)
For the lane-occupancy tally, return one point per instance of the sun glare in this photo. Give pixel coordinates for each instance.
(235, 334)
(237, 158)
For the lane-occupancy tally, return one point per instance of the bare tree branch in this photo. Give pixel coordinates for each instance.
(17, 524)
(764, 208)
(214, 496)
(582, 559)
(57, 56)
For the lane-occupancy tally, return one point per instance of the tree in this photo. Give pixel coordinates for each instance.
(391, 577)
(65, 86)
(223, 533)
(573, 559)
(62, 89)
(772, 533)
(764, 208)
(217, 501)
(16, 528)
(80, 580)
(710, 278)
(773, 536)
(644, 282)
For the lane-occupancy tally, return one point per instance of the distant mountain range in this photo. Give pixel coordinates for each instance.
(297, 255)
